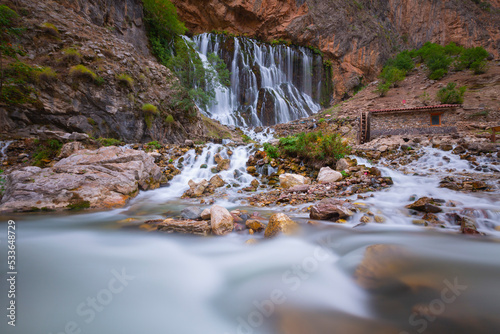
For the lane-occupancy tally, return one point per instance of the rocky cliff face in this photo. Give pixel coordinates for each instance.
(108, 38)
(357, 35)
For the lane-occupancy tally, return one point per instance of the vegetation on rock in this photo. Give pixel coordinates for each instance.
(314, 147)
(164, 31)
(438, 60)
(71, 56)
(125, 80)
(50, 29)
(451, 94)
(80, 72)
(45, 151)
(109, 141)
(46, 74)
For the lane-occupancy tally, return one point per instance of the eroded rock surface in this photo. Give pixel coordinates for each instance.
(103, 178)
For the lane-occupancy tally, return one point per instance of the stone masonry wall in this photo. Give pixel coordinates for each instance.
(411, 123)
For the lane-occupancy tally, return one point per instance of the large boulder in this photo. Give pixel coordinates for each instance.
(328, 175)
(216, 181)
(185, 226)
(331, 209)
(191, 213)
(344, 164)
(103, 178)
(425, 204)
(280, 223)
(197, 189)
(223, 164)
(254, 224)
(221, 220)
(288, 180)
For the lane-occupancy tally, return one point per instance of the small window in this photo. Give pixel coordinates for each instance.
(436, 119)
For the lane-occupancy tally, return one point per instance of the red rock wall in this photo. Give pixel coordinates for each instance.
(358, 36)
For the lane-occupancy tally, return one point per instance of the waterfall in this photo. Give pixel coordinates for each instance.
(270, 84)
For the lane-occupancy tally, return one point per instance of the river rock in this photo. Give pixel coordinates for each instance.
(342, 164)
(254, 225)
(425, 204)
(205, 214)
(221, 220)
(255, 183)
(185, 226)
(467, 225)
(280, 223)
(102, 178)
(70, 148)
(196, 189)
(331, 209)
(191, 213)
(288, 180)
(302, 188)
(223, 164)
(328, 175)
(217, 181)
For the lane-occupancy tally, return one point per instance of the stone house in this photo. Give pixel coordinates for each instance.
(438, 119)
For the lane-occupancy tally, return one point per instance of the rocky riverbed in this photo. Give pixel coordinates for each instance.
(243, 174)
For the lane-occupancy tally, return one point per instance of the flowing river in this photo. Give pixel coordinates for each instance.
(99, 273)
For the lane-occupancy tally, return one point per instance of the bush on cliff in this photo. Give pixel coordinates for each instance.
(451, 94)
(473, 58)
(197, 83)
(163, 26)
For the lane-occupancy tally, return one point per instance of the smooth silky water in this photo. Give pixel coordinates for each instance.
(98, 273)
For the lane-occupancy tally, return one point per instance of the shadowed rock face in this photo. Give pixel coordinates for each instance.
(110, 37)
(358, 36)
(125, 17)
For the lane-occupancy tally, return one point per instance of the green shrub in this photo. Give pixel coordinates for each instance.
(271, 151)
(438, 74)
(50, 29)
(154, 144)
(402, 61)
(15, 88)
(150, 112)
(321, 120)
(78, 205)
(438, 65)
(428, 50)
(315, 147)
(149, 109)
(383, 88)
(246, 139)
(71, 56)
(474, 58)
(46, 74)
(81, 72)
(169, 119)
(125, 80)
(451, 94)
(109, 141)
(452, 49)
(393, 75)
(45, 151)
(479, 66)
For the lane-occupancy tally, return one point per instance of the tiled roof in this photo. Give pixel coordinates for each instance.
(439, 106)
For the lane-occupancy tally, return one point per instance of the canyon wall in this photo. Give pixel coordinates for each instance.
(358, 36)
(109, 39)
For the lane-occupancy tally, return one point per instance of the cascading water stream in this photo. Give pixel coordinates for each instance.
(269, 84)
(4, 145)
